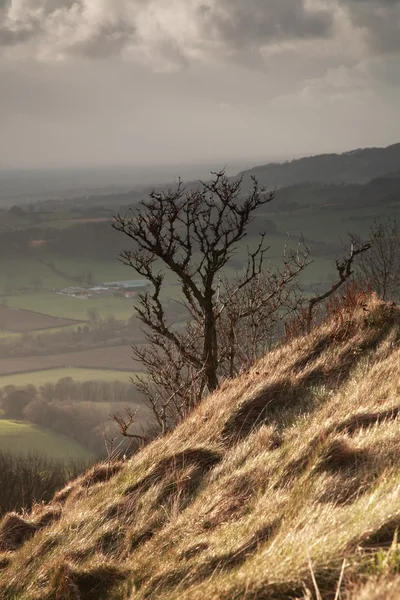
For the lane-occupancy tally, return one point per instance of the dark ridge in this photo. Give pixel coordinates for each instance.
(14, 532)
(339, 456)
(364, 420)
(200, 458)
(336, 457)
(91, 584)
(48, 517)
(275, 591)
(100, 473)
(234, 559)
(384, 536)
(194, 551)
(114, 511)
(141, 538)
(253, 413)
(63, 495)
(111, 541)
(315, 353)
(5, 561)
(95, 584)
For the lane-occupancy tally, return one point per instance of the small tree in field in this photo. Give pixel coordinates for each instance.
(193, 234)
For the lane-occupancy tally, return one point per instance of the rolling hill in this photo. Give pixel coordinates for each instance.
(356, 166)
(285, 483)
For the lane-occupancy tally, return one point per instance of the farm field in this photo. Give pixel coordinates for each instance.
(60, 306)
(67, 220)
(22, 272)
(117, 358)
(38, 378)
(20, 437)
(327, 224)
(20, 321)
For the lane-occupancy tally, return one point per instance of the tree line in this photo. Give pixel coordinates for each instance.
(80, 411)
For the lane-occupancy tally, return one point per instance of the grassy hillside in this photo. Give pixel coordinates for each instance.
(283, 484)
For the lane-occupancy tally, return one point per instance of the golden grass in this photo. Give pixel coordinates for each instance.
(285, 483)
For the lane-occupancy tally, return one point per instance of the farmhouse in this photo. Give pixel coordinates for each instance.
(76, 292)
(128, 289)
(100, 290)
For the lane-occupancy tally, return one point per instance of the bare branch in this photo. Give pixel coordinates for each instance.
(344, 268)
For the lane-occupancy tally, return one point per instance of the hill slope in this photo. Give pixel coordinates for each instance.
(262, 493)
(356, 166)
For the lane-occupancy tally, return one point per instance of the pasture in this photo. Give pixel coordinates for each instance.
(36, 271)
(20, 437)
(38, 378)
(66, 307)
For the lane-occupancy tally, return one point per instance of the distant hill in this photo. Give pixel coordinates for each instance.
(284, 481)
(356, 166)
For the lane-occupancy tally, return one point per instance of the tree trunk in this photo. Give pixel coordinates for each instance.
(210, 349)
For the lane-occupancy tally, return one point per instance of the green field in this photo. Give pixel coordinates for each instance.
(19, 272)
(315, 223)
(56, 305)
(20, 437)
(327, 224)
(39, 378)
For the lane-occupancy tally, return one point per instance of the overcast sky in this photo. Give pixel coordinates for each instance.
(171, 81)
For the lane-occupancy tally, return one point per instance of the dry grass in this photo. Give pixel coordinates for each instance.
(283, 484)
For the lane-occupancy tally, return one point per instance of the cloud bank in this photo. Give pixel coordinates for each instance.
(181, 29)
(84, 76)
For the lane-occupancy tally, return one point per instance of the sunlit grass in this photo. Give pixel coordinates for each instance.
(285, 483)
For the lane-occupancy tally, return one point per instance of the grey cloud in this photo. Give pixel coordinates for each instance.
(64, 27)
(153, 30)
(381, 20)
(256, 23)
(68, 27)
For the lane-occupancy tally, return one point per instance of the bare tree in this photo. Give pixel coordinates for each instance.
(380, 269)
(194, 235)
